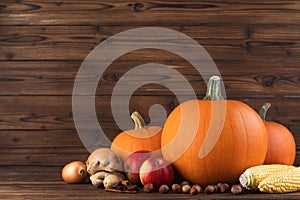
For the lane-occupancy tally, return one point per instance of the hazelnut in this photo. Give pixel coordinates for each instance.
(197, 187)
(210, 189)
(193, 191)
(176, 188)
(164, 189)
(186, 189)
(148, 188)
(224, 187)
(236, 189)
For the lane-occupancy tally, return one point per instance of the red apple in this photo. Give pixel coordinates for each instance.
(132, 165)
(158, 171)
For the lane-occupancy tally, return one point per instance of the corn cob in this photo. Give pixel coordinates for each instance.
(282, 182)
(251, 178)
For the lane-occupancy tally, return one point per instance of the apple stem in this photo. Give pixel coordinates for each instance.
(138, 120)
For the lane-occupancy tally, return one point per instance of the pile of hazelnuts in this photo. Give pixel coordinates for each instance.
(186, 188)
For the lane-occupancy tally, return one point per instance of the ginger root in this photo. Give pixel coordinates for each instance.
(106, 179)
(97, 178)
(103, 159)
(105, 168)
(111, 181)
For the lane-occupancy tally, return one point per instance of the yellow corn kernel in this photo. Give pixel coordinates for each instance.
(282, 182)
(251, 178)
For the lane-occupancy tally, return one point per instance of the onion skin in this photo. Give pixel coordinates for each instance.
(74, 172)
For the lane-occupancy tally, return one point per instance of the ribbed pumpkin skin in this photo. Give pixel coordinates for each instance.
(243, 143)
(135, 140)
(281, 146)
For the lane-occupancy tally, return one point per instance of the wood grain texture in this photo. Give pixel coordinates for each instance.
(43, 128)
(55, 112)
(148, 13)
(44, 182)
(86, 191)
(255, 45)
(222, 42)
(241, 78)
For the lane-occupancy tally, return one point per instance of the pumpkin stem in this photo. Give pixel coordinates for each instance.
(213, 91)
(138, 120)
(263, 111)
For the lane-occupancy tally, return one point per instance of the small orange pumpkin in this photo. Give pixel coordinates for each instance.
(141, 138)
(230, 133)
(281, 145)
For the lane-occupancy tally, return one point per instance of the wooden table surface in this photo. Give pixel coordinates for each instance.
(44, 182)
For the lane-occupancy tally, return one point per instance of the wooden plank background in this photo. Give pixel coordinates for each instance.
(255, 44)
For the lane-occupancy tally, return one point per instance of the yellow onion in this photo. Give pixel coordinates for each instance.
(74, 172)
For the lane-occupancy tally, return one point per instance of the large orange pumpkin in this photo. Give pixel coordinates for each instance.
(281, 142)
(141, 138)
(214, 140)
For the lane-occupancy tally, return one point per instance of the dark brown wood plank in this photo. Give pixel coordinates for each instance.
(39, 156)
(20, 35)
(86, 191)
(46, 156)
(45, 77)
(241, 79)
(235, 50)
(222, 42)
(44, 182)
(149, 13)
(37, 149)
(55, 112)
(30, 175)
(32, 148)
(45, 138)
(59, 156)
(49, 141)
(48, 113)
